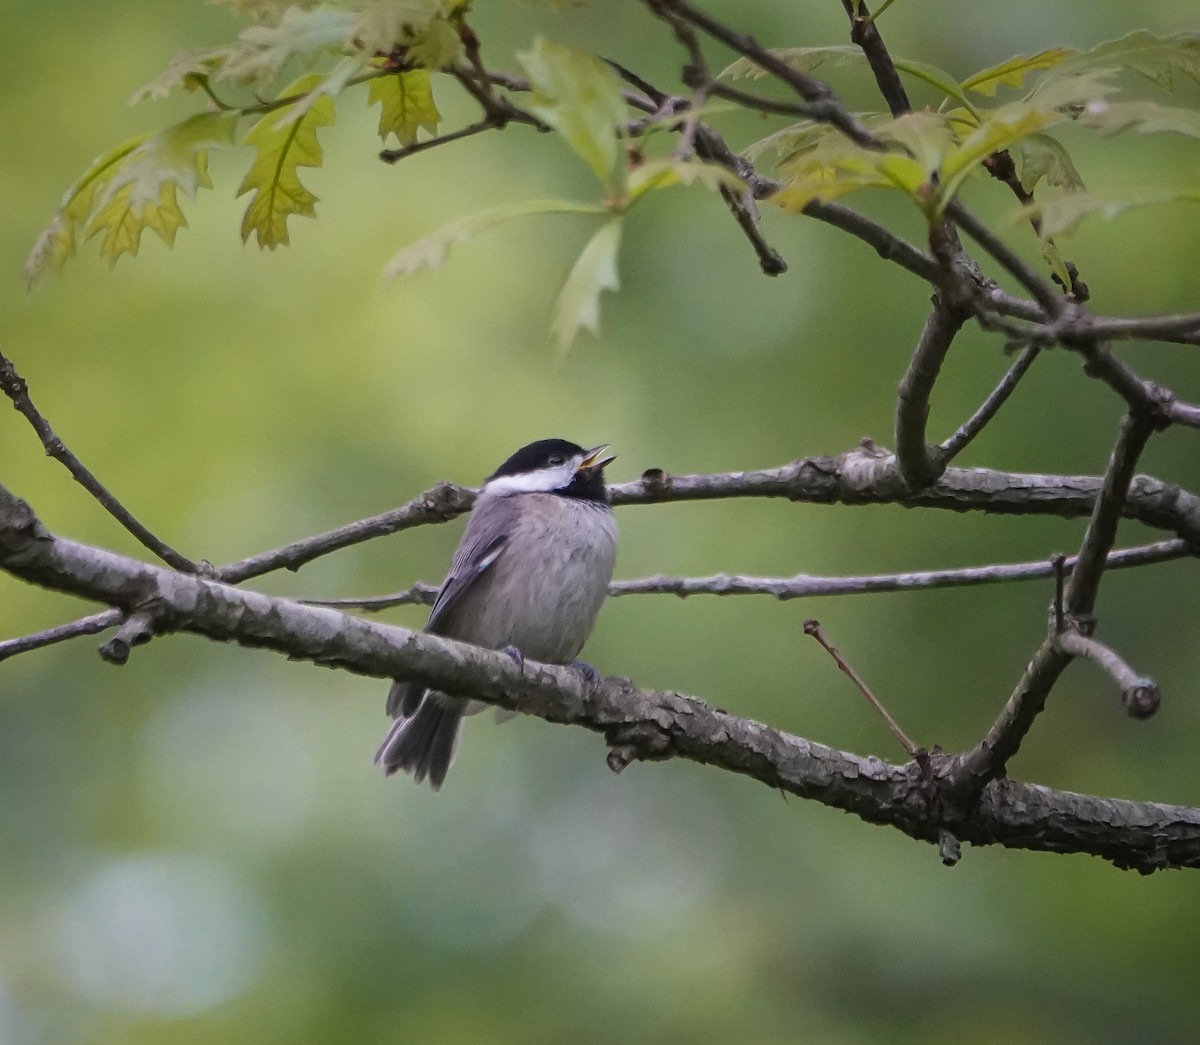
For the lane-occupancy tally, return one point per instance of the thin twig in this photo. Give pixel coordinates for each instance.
(1076, 330)
(496, 108)
(437, 504)
(758, 102)
(14, 386)
(887, 245)
(420, 594)
(1182, 329)
(805, 586)
(745, 213)
(1139, 693)
(696, 75)
(90, 625)
(975, 424)
(486, 124)
(711, 147)
(823, 105)
(813, 628)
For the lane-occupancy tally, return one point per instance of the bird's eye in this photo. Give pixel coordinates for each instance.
(556, 459)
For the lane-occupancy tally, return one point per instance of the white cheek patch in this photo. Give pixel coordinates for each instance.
(544, 480)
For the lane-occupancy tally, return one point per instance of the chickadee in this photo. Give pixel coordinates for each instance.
(529, 577)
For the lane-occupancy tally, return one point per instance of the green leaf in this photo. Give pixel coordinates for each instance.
(1158, 58)
(787, 141)
(1062, 213)
(132, 188)
(428, 29)
(662, 174)
(578, 304)
(804, 59)
(284, 143)
(406, 105)
(1012, 72)
(261, 51)
(1067, 92)
(825, 185)
(1054, 260)
(57, 242)
(926, 136)
(1142, 116)
(1042, 156)
(431, 251)
(437, 46)
(580, 97)
(825, 165)
(998, 130)
(324, 85)
(188, 70)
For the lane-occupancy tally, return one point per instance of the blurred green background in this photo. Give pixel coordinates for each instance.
(197, 848)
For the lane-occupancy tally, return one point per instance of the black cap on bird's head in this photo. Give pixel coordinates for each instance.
(554, 466)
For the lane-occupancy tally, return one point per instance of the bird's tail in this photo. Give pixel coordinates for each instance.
(424, 738)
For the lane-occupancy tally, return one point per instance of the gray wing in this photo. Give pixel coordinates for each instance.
(470, 563)
(478, 552)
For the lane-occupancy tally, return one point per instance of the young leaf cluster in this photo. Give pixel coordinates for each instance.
(928, 156)
(391, 45)
(396, 48)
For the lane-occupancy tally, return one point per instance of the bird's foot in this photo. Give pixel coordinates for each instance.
(516, 655)
(587, 671)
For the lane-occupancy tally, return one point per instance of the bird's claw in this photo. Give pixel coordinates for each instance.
(584, 668)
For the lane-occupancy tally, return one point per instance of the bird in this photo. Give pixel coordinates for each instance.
(529, 577)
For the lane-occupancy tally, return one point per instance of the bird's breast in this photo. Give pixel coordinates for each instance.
(546, 589)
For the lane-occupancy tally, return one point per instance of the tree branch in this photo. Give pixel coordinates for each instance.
(975, 424)
(803, 586)
(1004, 738)
(1101, 534)
(865, 34)
(1139, 693)
(486, 124)
(823, 105)
(920, 464)
(14, 386)
(438, 504)
(90, 625)
(1044, 293)
(865, 475)
(638, 724)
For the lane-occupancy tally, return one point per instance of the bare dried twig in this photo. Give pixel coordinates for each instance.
(813, 628)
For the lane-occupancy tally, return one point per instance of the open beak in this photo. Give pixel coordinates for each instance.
(595, 459)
